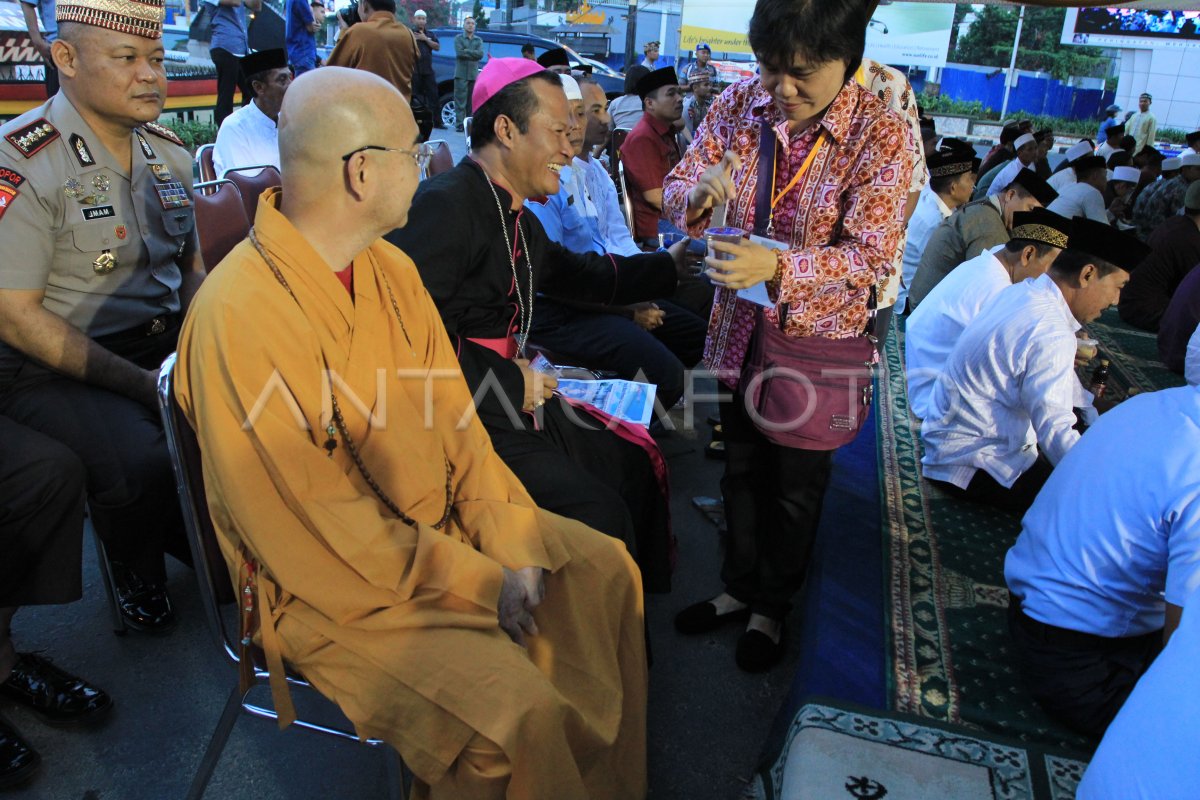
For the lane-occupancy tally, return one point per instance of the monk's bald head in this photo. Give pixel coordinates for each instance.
(331, 111)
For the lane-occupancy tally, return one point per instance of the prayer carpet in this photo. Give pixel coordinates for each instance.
(835, 749)
(1133, 356)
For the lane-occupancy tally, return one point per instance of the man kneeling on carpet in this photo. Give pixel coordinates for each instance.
(1107, 556)
(396, 558)
(1009, 385)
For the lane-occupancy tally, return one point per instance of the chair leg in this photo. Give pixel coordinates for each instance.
(216, 745)
(110, 585)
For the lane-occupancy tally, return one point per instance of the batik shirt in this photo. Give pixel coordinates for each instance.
(1153, 208)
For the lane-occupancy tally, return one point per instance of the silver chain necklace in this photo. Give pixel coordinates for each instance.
(524, 308)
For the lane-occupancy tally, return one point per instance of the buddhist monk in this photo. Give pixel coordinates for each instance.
(393, 558)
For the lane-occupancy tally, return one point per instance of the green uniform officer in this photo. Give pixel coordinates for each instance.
(100, 261)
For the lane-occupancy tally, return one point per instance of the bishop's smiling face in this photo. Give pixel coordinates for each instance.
(541, 152)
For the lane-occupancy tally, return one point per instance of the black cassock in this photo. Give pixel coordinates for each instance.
(569, 464)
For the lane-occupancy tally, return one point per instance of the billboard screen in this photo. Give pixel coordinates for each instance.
(1131, 27)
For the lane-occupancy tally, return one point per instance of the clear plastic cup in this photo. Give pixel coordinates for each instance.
(1087, 348)
(722, 235)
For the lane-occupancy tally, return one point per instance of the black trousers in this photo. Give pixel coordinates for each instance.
(983, 488)
(1079, 679)
(610, 342)
(576, 468)
(425, 87)
(130, 487)
(230, 76)
(41, 519)
(773, 497)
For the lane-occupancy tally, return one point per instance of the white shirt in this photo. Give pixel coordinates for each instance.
(1149, 750)
(1105, 150)
(1116, 528)
(928, 214)
(1191, 361)
(1061, 180)
(611, 220)
(1008, 386)
(936, 325)
(1080, 200)
(1006, 176)
(247, 138)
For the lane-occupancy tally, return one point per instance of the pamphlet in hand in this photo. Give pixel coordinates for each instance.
(758, 292)
(630, 401)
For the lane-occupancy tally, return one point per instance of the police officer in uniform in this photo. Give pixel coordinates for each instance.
(100, 261)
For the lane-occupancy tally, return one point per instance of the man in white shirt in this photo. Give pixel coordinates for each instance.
(1107, 556)
(249, 137)
(1085, 197)
(1193, 142)
(1142, 126)
(952, 172)
(1027, 153)
(1112, 142)
(933, 329)
(1065, 175)
(1009, 386)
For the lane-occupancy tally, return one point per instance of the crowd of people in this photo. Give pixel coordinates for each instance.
(456, 553)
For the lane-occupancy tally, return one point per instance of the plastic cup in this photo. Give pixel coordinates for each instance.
(1087, 348)
(722, 235)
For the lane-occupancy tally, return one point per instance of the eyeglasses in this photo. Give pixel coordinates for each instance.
(421, 155)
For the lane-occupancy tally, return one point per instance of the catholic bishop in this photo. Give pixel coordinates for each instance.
(394, 559)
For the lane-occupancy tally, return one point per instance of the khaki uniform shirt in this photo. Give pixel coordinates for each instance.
(966, 233)
(104, 244)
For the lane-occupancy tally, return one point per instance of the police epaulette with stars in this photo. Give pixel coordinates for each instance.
(33, 137)
(163, 131)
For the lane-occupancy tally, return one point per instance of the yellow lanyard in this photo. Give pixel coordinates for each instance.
(808, 160)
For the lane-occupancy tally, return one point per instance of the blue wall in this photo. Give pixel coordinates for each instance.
(1030, 96)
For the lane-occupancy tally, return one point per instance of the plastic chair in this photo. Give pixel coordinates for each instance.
(626, 203)
(614, 150)
(221, 221)
(216, 589)
(204, 158)
(442, 159)
(253, 181)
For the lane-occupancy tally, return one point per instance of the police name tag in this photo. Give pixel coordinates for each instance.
(98, 212)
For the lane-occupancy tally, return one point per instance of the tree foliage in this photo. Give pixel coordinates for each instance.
(990, 39)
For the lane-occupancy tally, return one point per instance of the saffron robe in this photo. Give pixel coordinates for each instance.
(397, 623)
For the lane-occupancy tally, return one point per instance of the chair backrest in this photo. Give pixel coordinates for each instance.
(614, 150)
(442, 160)
(216, 587)
(467, 131)
(204, 157)
(220, 219)
(253, 181)
(626, 202)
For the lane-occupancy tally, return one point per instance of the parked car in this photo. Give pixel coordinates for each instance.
(505, 44)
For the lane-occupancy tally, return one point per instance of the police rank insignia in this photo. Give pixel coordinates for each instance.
(162, 173)
(101, 183)
(33, 137)
(147, 150)
(164, 132)
(81, 151)
(173, 195)
(73, 189)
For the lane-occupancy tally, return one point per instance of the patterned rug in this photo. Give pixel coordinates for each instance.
(950, 653)
(836, 750)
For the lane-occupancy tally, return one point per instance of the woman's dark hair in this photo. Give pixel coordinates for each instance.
(517, 101)
(818, 31)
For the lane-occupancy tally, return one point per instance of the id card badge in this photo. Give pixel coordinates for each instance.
(758, 292)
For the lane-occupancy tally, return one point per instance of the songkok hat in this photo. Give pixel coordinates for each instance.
(264, 60)
(1042, 226)
(633, 75)
(1028, 180)
(953, 157)
(656, 80)
(1193, 136)
(1087, 163)
(1079, 149)
(1190, 160)
(586, 69)
(1191, 198)
(554, 58)
(1022, 140)
(1171, 164)
(697, 73)
(139, 17)
(571, 87)
(498, 73)
(649, 45)
(1191, 363)
(1112, 130)
(1103, 241)
(1146, 95)
(1127, 174)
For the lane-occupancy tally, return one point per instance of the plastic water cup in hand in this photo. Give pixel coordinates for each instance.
(1087, 348)
(729, 235)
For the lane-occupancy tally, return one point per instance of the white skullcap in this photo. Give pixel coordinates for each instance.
(1190, 160)
(1079, 150)
(1172, 163)
(419, 13)
(1023, 139)
(1130, 174)
(571, 87)
(1191, 364)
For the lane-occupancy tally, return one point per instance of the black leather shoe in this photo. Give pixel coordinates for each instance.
(144, 606)
(18, 761)
(703, 617)
(757, 653)
(57, 696)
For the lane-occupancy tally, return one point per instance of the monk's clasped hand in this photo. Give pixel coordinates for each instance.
(745, 264)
